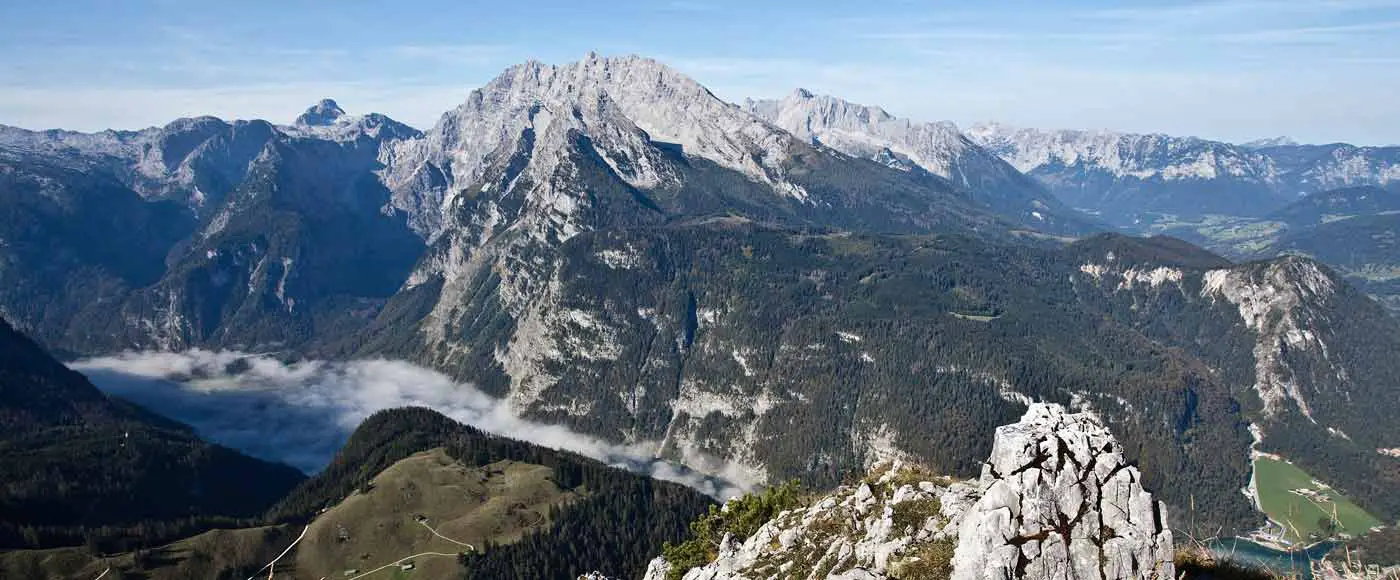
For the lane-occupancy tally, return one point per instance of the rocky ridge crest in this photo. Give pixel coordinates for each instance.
(1055, 499)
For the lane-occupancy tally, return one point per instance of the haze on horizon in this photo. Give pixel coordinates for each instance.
(1236, 70)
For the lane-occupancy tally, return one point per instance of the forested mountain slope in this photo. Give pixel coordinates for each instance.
(413, 482)
(80, 466)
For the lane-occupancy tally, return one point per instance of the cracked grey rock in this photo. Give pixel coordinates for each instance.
(1059, 501)
(1055, 500)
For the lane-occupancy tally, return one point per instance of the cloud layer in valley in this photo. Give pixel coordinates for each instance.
(301, 413)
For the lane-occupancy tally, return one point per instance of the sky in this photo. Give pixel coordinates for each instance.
(1236, 70)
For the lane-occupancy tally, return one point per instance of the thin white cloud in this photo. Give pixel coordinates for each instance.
(1310, 34)
(1216, 10)
(302, 413)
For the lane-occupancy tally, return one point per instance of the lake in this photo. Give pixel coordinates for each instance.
(1288, 562)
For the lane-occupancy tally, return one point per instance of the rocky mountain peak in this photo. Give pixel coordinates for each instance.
(1056, 499)
(865, 131)
(630, 108)
(938, 148)
(825, 111)
(324, 113)
(1280, 141)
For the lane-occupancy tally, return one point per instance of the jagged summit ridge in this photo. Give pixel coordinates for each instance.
(1142, 156)
(630, 102)
(196, 160)
(864, 131)
(327, 120)
(936, 147)
(1055, 500)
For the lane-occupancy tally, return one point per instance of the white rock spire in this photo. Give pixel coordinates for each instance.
(1056, 500)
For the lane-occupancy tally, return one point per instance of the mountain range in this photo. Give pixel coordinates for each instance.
(793, 288)
(1233, 199)
(1131, 180)
(1127, 180)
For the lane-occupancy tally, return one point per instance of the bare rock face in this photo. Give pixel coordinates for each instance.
(323, 113)
(888, 526)
(1057, 500)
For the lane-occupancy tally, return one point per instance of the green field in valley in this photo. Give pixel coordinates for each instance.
(1294, 498)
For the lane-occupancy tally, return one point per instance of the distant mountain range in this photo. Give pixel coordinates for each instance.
(1128, 180)
(1235, 199)
(1131, 180)
(937, 148)
(792, 288)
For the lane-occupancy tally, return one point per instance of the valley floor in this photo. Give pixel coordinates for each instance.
(1304, 508)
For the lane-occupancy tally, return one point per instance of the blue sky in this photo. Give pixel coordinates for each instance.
(1317, 70)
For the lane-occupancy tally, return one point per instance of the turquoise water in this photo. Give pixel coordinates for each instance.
(1294, 561)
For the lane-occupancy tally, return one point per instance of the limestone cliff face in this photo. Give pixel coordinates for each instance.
(1055, 500)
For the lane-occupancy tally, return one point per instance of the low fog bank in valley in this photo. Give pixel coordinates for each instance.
(301, 413)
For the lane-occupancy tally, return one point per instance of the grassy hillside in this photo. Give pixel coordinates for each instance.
(215, 555)
(497, 503)
(412, 482)
(1305, 505)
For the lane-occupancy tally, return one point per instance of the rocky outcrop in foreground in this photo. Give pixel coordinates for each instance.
(1055, 500)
